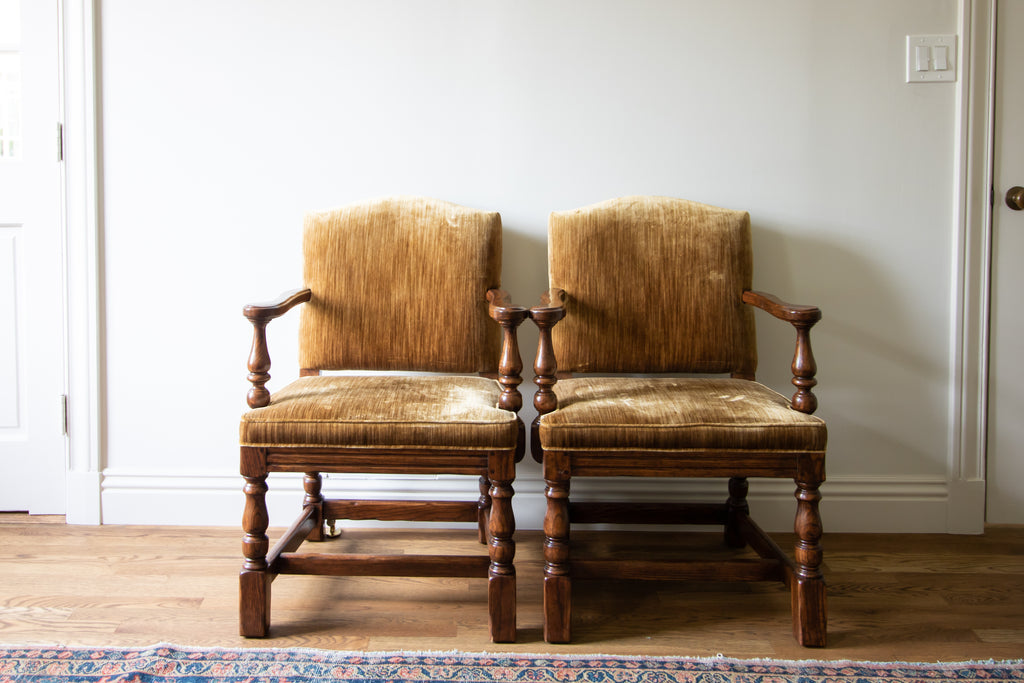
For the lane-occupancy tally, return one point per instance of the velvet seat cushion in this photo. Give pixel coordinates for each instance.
(626, 413)
(384, 411)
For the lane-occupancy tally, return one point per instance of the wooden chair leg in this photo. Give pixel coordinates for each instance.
(483, 509)
(254, 581)
(501, 581)
(736, 507)
(312, 483)
(557, 581)
(808, 587)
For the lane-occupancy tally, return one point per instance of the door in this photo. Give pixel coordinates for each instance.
(32, 442)
(1004, 497)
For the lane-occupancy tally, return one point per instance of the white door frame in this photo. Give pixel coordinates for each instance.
(82, 210)
(972, 268)
(971, 265)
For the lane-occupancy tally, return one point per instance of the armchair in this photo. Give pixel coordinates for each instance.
(406, 285)
(641, 288)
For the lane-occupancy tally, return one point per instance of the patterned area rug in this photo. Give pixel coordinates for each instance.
(168, 663)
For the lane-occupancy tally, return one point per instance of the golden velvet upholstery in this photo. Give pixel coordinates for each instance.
(436, 412)
(390, 278)
(661, 277)
(613, 413)
(640, 288)
(405, 287)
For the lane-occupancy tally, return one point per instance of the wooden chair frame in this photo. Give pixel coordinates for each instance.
(492, 511)
(802, 573)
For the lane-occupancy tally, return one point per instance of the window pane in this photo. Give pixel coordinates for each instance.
(10, 79)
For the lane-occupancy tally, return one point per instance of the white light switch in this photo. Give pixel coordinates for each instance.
(931, 59)
(923, 57)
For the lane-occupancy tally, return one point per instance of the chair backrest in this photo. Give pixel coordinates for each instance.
(653, 284)
(400, 284)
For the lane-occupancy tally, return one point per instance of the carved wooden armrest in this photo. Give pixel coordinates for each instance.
(259, 357)
(803, 319)
(510, 366)
(545, 367)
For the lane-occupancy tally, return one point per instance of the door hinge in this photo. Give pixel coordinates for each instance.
(60, 141)
(64, 413)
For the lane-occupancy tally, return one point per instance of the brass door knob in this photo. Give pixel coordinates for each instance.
(1015, 198)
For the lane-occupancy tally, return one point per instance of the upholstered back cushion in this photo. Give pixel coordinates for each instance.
(400, 284)
(653, 284)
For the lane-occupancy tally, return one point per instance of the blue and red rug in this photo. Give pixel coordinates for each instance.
(172, 664)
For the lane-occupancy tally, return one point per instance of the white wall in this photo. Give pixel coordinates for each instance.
(222, 122)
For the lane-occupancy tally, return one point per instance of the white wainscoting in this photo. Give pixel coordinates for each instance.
(902, 504)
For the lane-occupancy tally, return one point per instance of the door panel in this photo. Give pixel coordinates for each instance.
(1005, 463)
(32, 444)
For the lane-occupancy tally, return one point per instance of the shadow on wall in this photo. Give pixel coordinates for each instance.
(883, 378)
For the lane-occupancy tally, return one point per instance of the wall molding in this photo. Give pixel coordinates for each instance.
(898, 504)
(968, 405)
(82, 239)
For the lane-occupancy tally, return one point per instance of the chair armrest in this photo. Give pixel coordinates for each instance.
(510, 366)
(268, 310)
(552, 304)
(804, 368)
(780, 309)
(259, 356)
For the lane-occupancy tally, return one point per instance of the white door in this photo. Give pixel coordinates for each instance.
(32, 442)
(1005, 463)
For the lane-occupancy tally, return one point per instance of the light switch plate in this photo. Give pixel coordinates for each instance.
(923, 68)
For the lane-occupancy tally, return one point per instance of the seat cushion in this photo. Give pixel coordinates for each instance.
(626, 413)
(384, 411)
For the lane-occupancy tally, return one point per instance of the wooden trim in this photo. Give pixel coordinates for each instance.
(378, 461)
(402, 510)
(683, 464)
(468, 566)
(296, 534)
(764, 546)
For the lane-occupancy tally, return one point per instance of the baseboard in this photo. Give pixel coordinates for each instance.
(849, 504)
(83, 498)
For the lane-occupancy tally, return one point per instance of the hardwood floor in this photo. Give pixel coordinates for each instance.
(908, 597)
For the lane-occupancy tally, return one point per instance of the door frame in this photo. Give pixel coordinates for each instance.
(82, 210)
(972, 268)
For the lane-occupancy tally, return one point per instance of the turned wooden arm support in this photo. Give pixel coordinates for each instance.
(803, 319)
(545, 367)
(510, 366)
(259, 357)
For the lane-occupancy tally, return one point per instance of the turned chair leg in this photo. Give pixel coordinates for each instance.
(501, 581)
(312, 483)
(808, 587)
(557, 581)
(736, 507)
(254, 581)
(483, 509)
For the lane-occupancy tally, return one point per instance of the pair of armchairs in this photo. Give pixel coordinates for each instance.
(641, 290)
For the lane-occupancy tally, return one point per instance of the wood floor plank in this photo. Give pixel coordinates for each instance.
(910, 597)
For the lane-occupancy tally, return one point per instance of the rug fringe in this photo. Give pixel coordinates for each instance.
(382, 654)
